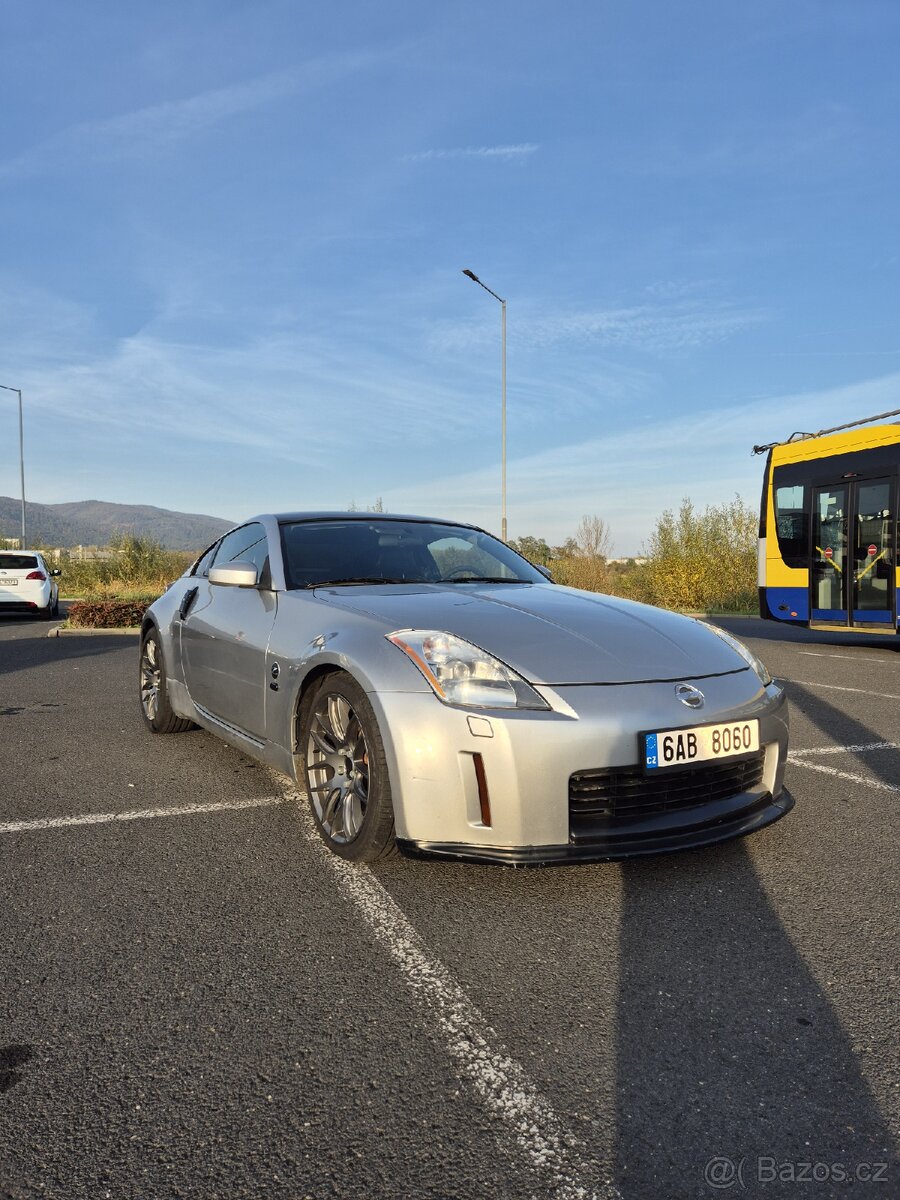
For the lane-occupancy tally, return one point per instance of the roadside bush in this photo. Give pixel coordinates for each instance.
(588, 573)
(702, 561)
(108, 614)
(694, 561)
(134, 565)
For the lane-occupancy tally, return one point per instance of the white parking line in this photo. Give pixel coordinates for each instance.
(833, 687)
(848, 775)
(849, 657)
(798, 759)
(138, 814)
(845, 749)
(499, 1080)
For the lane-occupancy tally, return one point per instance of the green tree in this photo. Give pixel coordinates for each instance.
(533, 548)
(568, 549)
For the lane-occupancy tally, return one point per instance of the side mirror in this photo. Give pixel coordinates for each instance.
(56, 572)
(545, 571)
(235, 574)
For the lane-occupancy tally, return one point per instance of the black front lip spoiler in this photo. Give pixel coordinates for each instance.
(765, 812)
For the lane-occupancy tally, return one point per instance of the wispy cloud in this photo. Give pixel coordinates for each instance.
(154, 128)
(652, 327)
(39, 325)
(283, 410)
(513, 153)
(678, 289)
(647, 327)
(201, 395)
(629, 477)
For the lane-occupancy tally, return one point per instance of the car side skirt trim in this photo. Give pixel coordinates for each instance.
(205, 715)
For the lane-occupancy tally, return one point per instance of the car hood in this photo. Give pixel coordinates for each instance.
(550, 634)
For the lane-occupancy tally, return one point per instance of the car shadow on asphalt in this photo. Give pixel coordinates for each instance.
(39, 625)
(781, 631)
(844, 730)
(728, 1048)
(21, 654)
(700, 1023)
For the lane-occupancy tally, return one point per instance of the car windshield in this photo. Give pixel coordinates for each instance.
(17, 562)
(382, 551)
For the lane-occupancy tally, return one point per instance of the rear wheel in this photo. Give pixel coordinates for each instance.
(155, 708)
(345, 770)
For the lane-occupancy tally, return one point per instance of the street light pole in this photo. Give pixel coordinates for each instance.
(475, 279)
(18, 392)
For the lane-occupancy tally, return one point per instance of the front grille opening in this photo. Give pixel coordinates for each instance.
(624, 794)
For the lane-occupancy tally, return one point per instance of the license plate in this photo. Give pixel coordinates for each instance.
(8, 582)
(682, 747)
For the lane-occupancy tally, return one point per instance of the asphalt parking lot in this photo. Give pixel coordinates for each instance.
(197, 1002)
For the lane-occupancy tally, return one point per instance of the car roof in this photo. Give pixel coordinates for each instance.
(285, 517)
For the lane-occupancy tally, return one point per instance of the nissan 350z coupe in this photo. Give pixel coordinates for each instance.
(431, 690)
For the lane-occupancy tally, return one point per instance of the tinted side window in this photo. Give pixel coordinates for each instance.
(202, 567)
(247, 544)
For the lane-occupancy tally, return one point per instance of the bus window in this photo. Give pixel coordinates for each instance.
(792, 524)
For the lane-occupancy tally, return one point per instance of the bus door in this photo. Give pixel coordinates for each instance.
(852, 576)
(873, 585)
(828, 576)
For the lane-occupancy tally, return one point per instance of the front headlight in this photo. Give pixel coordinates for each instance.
(460, 673)
(747, 655)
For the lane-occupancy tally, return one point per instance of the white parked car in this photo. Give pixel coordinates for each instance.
(27, 584)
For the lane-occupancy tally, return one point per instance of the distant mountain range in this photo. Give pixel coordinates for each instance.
(94, 522)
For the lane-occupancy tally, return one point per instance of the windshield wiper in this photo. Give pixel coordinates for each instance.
(487, 579)
(355, 581)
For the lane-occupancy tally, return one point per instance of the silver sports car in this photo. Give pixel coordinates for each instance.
(431, 690)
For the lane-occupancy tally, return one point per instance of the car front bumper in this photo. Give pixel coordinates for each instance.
(528, 758)
(753, 811)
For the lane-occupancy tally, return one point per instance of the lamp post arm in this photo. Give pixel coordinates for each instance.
(471, 275)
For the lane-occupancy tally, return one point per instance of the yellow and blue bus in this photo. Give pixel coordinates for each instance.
(828, 528)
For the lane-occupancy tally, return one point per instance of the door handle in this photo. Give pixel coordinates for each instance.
(186, 601)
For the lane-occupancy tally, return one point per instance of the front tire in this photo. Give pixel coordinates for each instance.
(155, 708)
(345, 770)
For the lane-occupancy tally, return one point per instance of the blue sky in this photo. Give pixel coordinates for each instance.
(233, 236)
